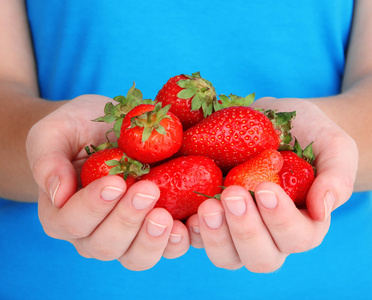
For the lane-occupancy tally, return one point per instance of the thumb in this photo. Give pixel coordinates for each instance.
(50, 164)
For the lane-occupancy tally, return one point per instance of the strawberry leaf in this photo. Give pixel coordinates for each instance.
(207, 109)
(160, 129)
(217, 196)
(115, 170)
(162, 111)
(188, 92)
(182, 83)
(117, 127)
(146, 133)
(112, 163)
(282, 121)
(197, 102)
(233, 100)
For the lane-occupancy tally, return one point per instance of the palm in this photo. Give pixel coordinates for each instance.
(336, 152)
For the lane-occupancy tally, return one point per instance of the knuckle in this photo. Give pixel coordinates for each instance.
(265, 267)
(51, 233)
(134, 265)
(233, 264)
(218, 243)
(42, 164)
(103, 253)
(97, 248)
(245, 234)
(348, 182)
(302, 244)
(72, 231)
(95, 209)
(281, 225)
(82, 252)
(172, 253)
(131, 222)
(65, 230)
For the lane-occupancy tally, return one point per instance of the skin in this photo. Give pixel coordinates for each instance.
(234, 232)
(261, 237)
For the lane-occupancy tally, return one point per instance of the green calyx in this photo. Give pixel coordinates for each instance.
(150, 121)
(128, 167)
(282, 122)
(307, 154)
(201, 91)
(116, 113)
(233, 100)
(218, 196)
(106, 145)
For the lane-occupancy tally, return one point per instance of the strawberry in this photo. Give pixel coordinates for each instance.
(233, 135)
(150, 133)
(191, 98)
(297, 173)
(292, 170)
(265, 166)
(111, 161)
(178, 180)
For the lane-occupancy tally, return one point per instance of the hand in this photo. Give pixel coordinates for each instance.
(103, 220)
(238, 232)
(335, 151)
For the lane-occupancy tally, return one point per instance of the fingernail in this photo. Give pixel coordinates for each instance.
(267, 199)
(142, 201)
(155, 229)
(53, 184)
(111, 193)
(175, 238)
(213, 220)
(328, 200)
(195, 229)
(236, 205)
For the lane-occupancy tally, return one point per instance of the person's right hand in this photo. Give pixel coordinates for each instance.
(104, 220)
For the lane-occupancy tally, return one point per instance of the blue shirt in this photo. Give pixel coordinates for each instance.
(272, 48)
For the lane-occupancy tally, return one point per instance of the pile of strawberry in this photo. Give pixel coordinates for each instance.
(191, 145)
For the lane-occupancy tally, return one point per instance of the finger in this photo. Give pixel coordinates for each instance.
(216, 236)
(150, 243)
(194, 231)
(56, 176)
(254, 244)
(292, 230)
(84, 211)
(55, 141)
(179, 241)
(115, 234)
(336, 173)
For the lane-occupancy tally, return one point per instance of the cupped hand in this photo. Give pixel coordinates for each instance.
(104, 220)
(259, 234)
(336, 154)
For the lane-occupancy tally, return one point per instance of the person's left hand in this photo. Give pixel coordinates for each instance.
(237, 231)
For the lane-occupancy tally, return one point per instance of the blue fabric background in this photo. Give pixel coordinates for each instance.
(272, 48)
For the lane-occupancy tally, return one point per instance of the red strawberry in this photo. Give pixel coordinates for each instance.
(179, 179)
(191, 98)
(292, 170)
(265, 166)
(111, 161)
(233, 135)
(297, 173)
(150, 133)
